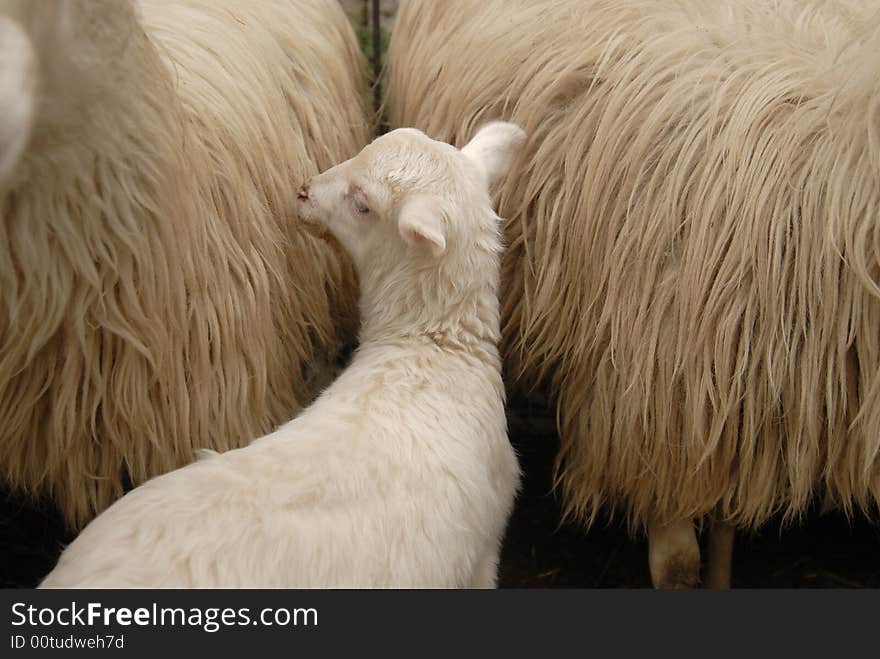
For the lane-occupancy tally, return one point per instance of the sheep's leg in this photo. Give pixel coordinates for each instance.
(719, 564)
(674, 555)
(486, 574)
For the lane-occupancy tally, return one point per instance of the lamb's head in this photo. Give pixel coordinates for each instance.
(411, 200)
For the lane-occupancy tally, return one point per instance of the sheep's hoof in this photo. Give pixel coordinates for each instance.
(680, 570)
(674, 555)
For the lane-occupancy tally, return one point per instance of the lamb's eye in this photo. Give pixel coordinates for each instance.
(359, 200)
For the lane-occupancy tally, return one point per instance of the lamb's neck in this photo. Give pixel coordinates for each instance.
(462, 320)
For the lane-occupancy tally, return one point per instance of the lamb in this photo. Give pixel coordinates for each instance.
(400, 474)
(156, 296)
(694, 261)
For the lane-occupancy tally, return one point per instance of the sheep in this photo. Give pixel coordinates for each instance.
(400, 474)
(694, 261)
(156, 295)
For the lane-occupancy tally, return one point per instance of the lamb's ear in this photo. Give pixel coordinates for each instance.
(494, 146)
(422, 222)
(17, 93)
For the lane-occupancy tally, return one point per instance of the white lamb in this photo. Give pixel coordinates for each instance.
(401, 473)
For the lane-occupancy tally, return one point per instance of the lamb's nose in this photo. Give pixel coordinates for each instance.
(303, 192)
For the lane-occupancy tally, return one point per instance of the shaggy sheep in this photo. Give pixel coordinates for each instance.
(400, 474)
(155, 296)
(694, 231)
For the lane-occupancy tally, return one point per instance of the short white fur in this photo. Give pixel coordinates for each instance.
(401, 473)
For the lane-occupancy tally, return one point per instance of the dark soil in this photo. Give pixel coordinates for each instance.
(32, 535)
(825, 551)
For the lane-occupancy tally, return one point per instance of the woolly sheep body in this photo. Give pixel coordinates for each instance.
(400, 474)
(694, 244)
(156, 297)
